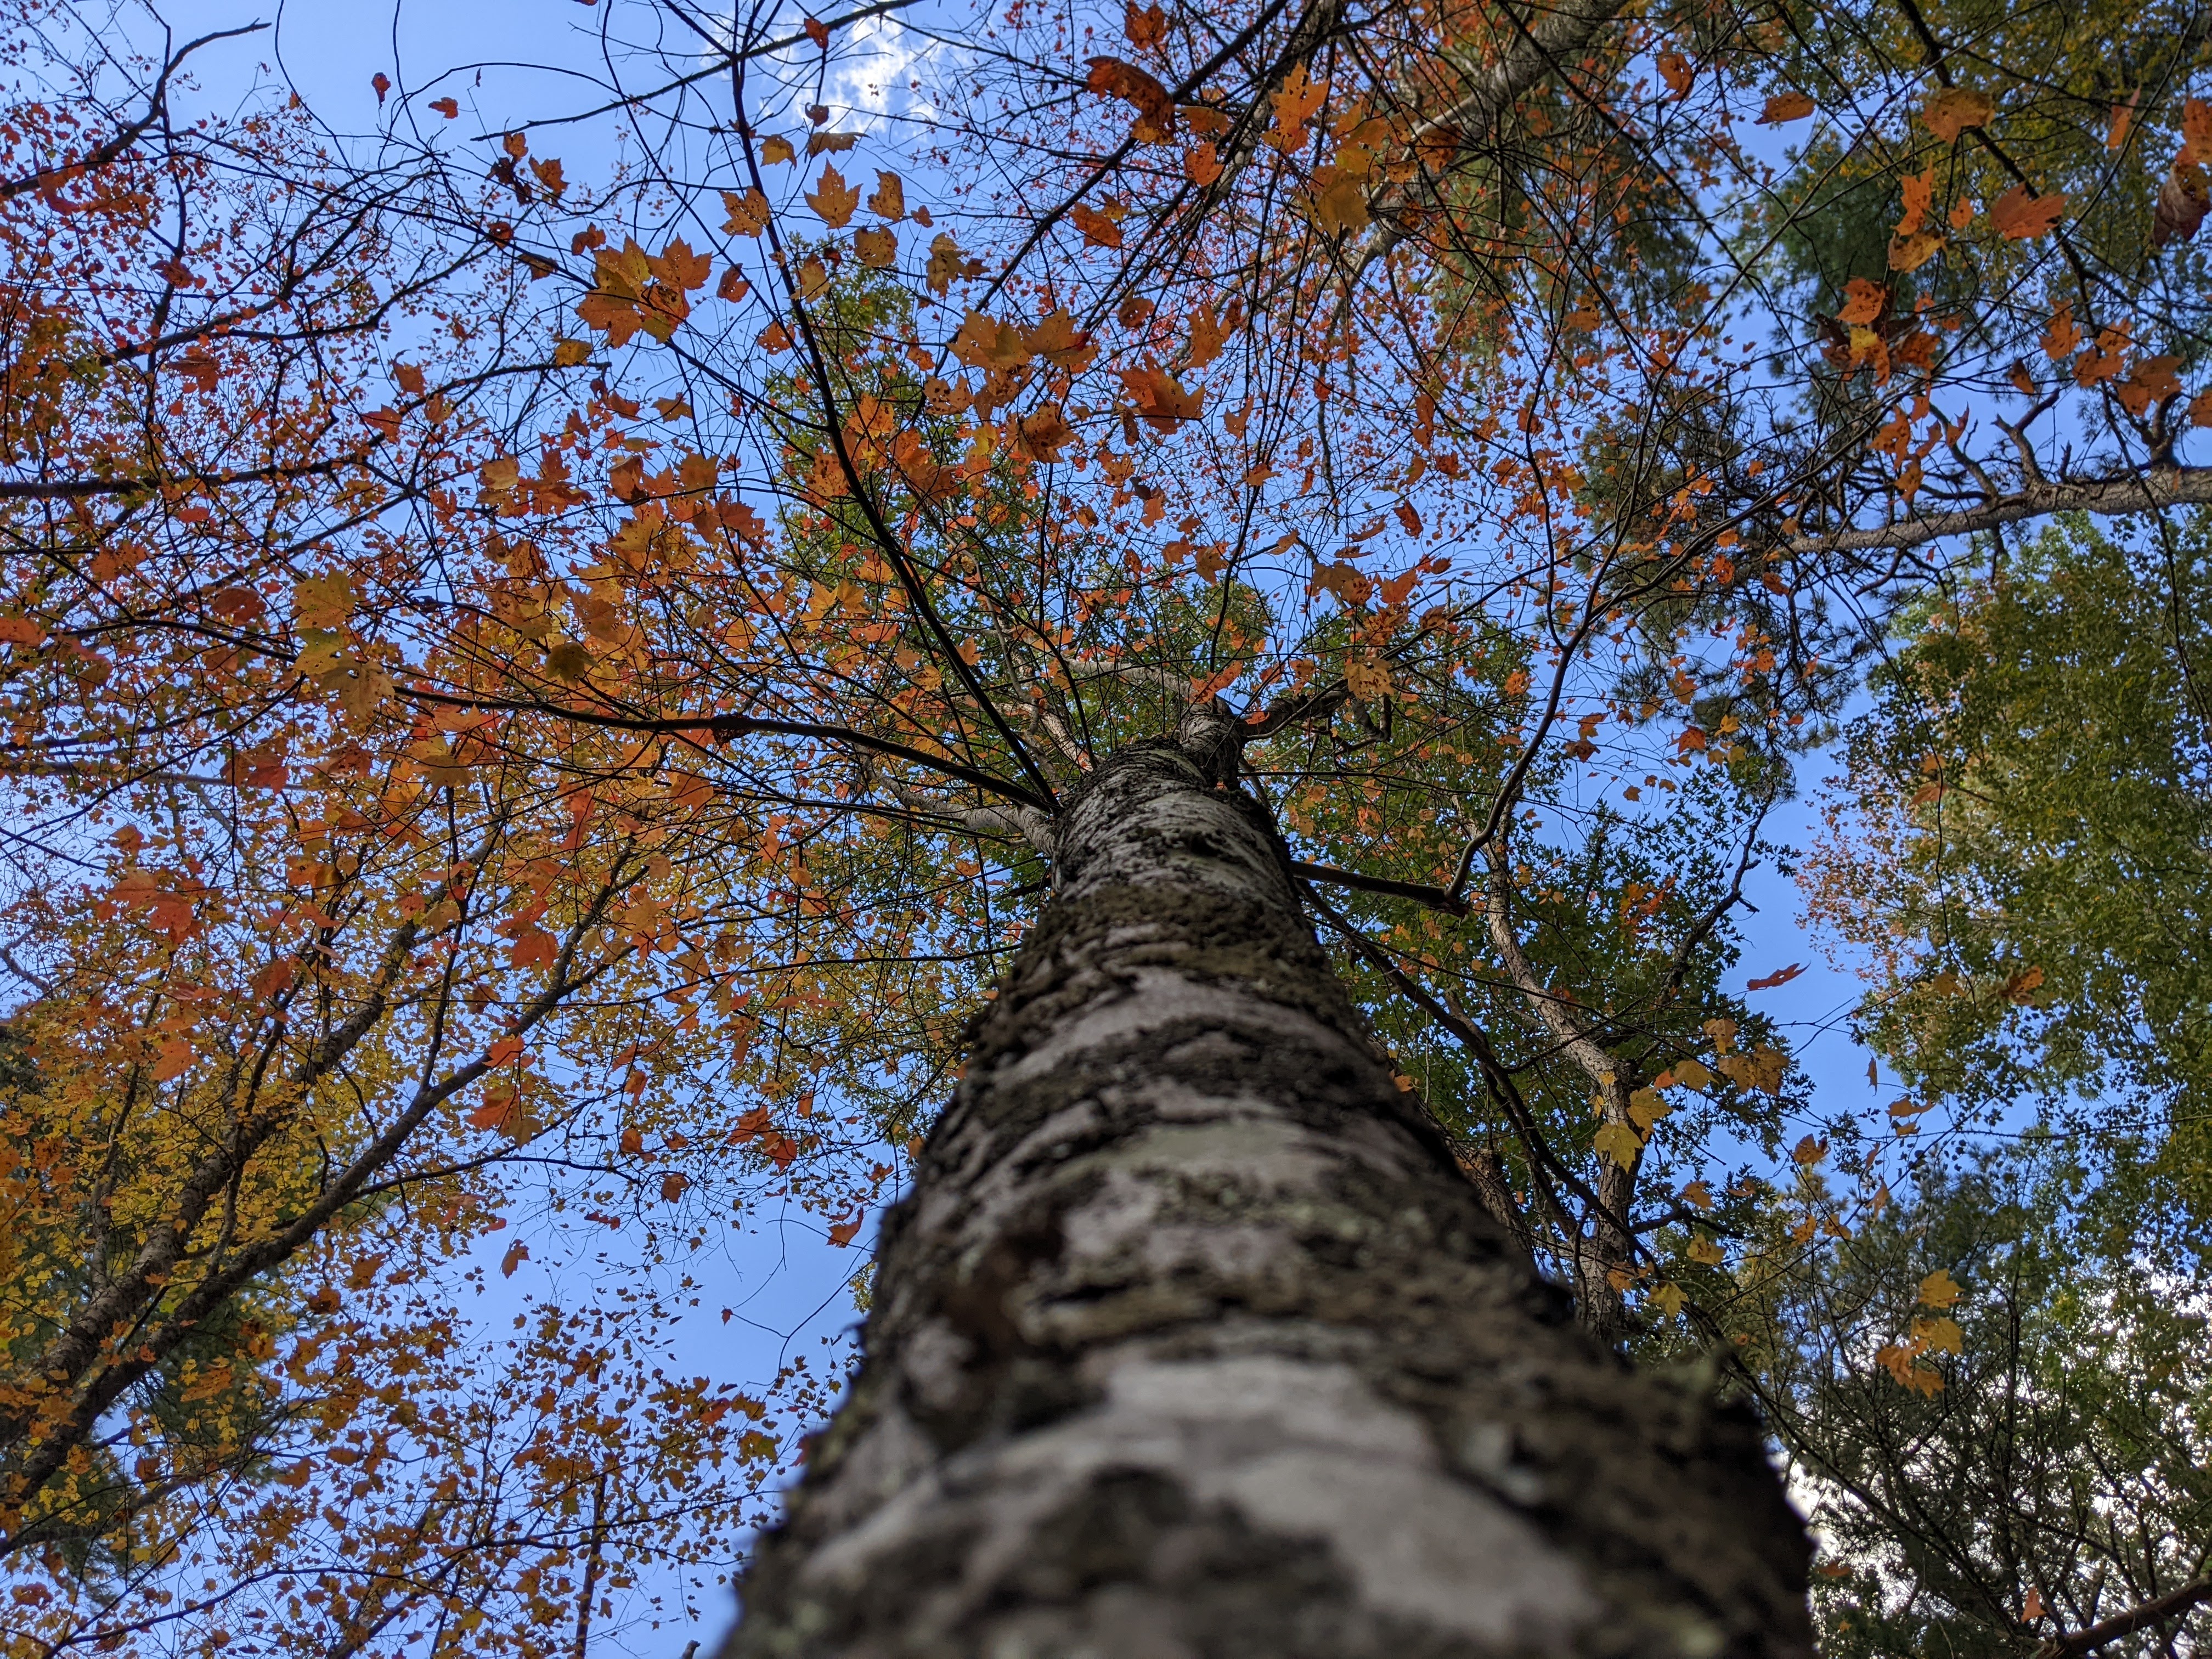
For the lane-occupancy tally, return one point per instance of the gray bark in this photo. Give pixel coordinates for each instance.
(1194, 1342)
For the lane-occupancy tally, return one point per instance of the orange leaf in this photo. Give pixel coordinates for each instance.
(1146, 27)
(173, 1059)
(748, 211)
(1161, 399)
(1674, 69)
(2018, 216)
(878, 248)
(1952, 109)
(832, 199)
(1043, 433)
(1863, 302)
(517, 1253)
(1057, 339)
(680, 268)
(1786, 106)
(1205, 336)
(2123, 115)
(672, 1186)
(983, 342)
(845, 1231)
(817, 32)
(1779, 976)
(1156, 111)
(1918, 194)
(446, 106)
(1201, 163)
(1097, 230)
(2064, 334)
(1295, 103)
(2196, 131)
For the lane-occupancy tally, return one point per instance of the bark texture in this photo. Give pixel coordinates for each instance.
(1195, 1343)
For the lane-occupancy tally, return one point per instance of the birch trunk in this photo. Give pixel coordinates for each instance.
(1194, 1342)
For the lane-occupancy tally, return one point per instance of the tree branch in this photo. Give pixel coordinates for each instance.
(2143, 492)
(2157, 1610)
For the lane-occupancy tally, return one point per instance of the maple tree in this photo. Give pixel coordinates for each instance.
(605, 697)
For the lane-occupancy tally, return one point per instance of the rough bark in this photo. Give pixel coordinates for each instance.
(1194, 1340)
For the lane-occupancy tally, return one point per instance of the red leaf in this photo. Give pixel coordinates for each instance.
(1779, 976)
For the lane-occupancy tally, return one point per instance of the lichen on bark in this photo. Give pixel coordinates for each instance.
(1194, 1342)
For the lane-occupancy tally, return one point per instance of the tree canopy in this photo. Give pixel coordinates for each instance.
(547, 645)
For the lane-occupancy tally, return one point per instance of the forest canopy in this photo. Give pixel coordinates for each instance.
(561, 616)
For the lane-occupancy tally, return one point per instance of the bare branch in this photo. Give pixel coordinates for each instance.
(2113, 497)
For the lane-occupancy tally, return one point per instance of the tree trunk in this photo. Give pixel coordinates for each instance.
(1193, 1341)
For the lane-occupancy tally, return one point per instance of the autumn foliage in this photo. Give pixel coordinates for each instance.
(536, 702)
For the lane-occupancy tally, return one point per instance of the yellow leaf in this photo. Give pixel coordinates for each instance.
(1910, 253)
(890, 200)
(1366, 677)
(1646, 1107)
(1619, 1143)
(567, 353)
(1697, 1194)
(1668, 1299)
(1704, 1250)
(777, 149)
(1339, 201)
(323, 601)
(1692, 1074)
(1939, 1334)
(1939, 1289)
